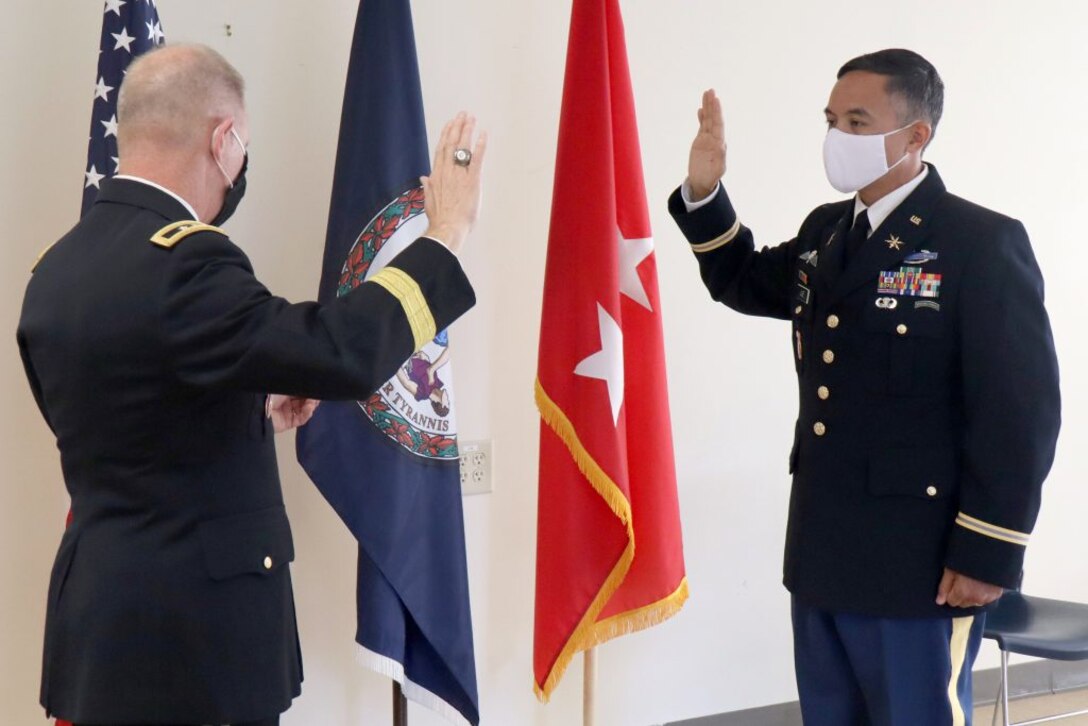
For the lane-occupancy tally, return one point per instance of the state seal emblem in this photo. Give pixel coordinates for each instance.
(414, 408)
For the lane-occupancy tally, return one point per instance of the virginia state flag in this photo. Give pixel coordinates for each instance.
(609, 552)
(389, 465)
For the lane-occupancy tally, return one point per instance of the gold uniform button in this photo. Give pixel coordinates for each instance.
(829, 356)
(901, 329)
(823, 392)
(832, 321)
(268, 563)
(819, 428)
(931, 490)
(797, 310)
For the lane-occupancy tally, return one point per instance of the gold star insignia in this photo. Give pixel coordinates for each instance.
(894, 243)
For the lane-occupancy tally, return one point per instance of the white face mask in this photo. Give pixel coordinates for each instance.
(854, 161)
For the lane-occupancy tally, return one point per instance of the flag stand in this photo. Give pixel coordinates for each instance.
(589, 687)
(400, 706)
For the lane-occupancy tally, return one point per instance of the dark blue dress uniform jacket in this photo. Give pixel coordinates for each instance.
(170, 598)
(929, 404)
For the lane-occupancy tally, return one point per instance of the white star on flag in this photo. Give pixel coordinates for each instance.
(116, 163)
(154, 32)
(111, 126)
(607, 363)
(93, 177)
(101, 90)
(124, 40)
(114, 6)
(632, 253)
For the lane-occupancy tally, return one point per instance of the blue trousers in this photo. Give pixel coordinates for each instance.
(858, 670)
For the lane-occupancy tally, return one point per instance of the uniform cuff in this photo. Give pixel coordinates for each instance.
(711, 225)
(975, 551)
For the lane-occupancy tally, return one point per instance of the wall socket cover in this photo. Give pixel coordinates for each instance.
(475, 467)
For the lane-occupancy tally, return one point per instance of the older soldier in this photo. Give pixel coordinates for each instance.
(150, 347)
(929, 399)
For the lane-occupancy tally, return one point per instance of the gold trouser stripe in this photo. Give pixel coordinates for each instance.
(718, 241)
(400, 285)
(957, 647)
(992, 530)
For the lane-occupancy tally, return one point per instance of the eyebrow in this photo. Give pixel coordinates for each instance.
(851, 112)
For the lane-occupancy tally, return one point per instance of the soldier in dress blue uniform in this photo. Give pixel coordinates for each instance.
(929, 403)
(150, 347)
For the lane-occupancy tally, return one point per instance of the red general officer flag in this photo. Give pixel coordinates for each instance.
(609, 552)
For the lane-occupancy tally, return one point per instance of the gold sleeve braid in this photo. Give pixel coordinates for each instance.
(400, 285)
(719, 241)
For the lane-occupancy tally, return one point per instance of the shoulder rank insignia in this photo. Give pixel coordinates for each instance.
(175, 232)
(42, 254)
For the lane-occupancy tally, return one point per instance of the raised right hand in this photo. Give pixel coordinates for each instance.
(706, 163)
(452, 192)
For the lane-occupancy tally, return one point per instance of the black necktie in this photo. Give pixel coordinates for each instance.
(855, 237)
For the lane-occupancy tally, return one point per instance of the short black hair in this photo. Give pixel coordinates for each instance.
(910, 76)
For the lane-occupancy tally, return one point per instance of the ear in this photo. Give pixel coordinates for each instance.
(920, 134)
(220, 137)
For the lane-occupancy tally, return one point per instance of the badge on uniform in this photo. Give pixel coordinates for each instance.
(804, 294)
(810, 258)
(802, 276)
(909, 281)
(920, 257)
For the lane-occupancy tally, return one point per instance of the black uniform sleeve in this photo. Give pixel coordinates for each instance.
(1013, 408)
(224, 329)
(751, 282)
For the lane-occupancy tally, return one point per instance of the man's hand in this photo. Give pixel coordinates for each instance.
(288, 412)
(706, 164)
(452, 192)
(961, 591)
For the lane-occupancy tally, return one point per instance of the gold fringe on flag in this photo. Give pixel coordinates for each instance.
(589, 633)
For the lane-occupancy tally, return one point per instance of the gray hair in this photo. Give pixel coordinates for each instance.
(170, 92)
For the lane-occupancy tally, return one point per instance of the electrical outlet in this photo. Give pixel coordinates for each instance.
(475, 467)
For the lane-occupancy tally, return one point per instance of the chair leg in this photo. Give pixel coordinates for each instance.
(1005, 686)
(997, 701)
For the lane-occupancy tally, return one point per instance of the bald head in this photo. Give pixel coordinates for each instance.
(172, 96)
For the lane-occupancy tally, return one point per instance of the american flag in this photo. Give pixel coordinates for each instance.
(129, 28)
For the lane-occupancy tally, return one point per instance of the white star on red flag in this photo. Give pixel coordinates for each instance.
(607, 363)
(632, 253)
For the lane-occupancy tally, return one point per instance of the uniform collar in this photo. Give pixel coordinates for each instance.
(881, 208)
(139, 192)
(897, 236)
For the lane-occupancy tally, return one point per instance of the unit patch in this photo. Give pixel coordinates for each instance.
(910, 281)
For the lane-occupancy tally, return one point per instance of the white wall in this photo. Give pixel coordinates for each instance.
(1013, 138)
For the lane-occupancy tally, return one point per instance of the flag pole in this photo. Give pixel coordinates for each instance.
(589, 688)
(400, 706)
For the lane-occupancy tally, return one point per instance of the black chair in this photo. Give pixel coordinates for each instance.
(1036, 626)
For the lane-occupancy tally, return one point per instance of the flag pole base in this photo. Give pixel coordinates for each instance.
(589, 688)
(400, 706)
